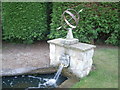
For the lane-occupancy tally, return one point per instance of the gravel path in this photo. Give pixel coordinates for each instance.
(23, 57)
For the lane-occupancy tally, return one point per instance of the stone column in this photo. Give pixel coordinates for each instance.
(80, 55)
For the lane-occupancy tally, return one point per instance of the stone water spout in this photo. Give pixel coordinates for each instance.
(65, 60)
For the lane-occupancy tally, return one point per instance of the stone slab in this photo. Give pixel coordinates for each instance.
(68, 83)
(70, 41)
(78, 46)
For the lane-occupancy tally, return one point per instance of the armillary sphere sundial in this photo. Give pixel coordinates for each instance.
(70, 19)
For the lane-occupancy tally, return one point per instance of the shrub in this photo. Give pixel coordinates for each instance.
(24, 21)
(98, 21)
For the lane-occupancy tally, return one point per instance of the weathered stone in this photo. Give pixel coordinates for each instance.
(33, 70)
(68, 83)
(80, 55)
(18, 71)
(70, 41)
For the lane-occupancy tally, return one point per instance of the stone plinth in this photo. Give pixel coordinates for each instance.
(80, 55)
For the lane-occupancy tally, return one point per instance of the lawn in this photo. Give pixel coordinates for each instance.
(106, 73)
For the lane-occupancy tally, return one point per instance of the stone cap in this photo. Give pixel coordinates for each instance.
(78, 46)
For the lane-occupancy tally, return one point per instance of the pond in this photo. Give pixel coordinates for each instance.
(30, 81)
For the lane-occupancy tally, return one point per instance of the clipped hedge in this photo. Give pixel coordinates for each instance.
(24, 21)
(98, 21)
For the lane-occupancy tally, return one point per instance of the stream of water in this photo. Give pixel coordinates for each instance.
(58, 72)
(30, 81)
(50, 82)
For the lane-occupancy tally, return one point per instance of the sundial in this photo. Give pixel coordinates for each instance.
(69, 21)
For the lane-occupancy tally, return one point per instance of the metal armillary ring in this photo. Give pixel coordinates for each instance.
(74, 17)
(67, 16)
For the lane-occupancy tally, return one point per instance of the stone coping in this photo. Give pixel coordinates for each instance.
(30, 70)
(68, 83)
(34, 70)
(78, 46)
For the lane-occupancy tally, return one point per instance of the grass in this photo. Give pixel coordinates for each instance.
(106, 73)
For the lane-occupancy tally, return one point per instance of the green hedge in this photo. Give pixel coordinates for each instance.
(29, 21)
(98, 21)
(24, 21)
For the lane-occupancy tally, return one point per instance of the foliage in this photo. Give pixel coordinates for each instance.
(24, 21)
(98, 21)
(29, 21)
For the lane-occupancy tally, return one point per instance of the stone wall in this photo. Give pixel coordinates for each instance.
(80, 56)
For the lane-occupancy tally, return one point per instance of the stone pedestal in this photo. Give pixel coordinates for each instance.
(80, 55)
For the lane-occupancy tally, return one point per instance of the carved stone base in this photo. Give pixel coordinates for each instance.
(80, 54)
